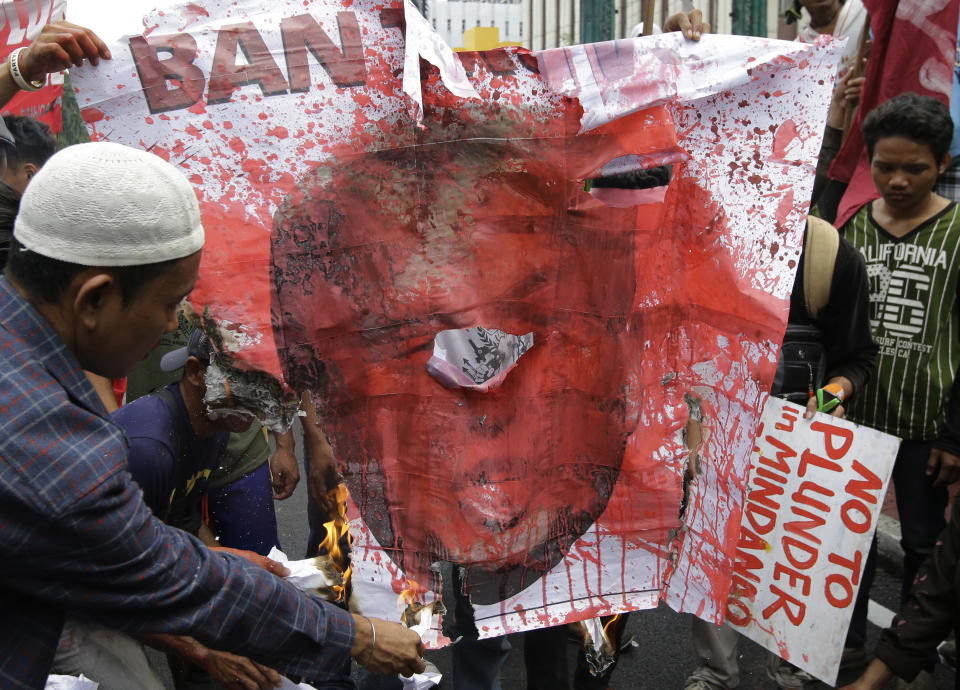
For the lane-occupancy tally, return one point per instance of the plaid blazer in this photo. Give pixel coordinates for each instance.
(76, 536)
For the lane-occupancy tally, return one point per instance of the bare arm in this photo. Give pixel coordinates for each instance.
(229, 670)
(391, 647)
(323, 465)
(284, 472)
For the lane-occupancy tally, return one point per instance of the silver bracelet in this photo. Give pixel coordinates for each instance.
(13, 61)
(373, 644)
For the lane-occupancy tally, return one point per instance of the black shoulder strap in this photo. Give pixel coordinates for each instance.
(180, 428)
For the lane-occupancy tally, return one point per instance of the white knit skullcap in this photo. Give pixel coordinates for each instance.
(105, 204)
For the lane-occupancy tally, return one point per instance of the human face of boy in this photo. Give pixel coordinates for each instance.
(129, 331)
(904, 172)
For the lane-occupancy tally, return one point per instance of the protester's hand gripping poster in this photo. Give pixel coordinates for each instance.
(21, 22)
(815, 491)
(361, 201)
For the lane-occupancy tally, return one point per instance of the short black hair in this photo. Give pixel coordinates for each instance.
(922, 119)
(46, 279)
(35, 143)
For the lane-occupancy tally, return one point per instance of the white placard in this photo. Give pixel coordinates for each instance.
(815, 491)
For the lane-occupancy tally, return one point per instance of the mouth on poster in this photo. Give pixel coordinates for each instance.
(815, 490)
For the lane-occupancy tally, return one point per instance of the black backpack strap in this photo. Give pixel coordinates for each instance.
(170, 400)
(181, 514)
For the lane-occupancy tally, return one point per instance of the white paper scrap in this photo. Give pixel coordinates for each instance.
(421, 681)
(58, 682)
(424, 42)
(303, 574)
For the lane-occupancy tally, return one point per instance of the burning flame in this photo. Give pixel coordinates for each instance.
(411, 595)
(610, 631)
(599, 642)
(412, 600)
(337, 529)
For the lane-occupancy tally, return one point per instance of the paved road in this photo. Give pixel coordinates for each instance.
(664, 655)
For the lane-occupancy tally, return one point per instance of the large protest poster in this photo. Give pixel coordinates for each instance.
(815, 493)
(22, 21)
(505, 363)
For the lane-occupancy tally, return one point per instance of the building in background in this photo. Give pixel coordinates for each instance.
(539, 24)
(478, 25)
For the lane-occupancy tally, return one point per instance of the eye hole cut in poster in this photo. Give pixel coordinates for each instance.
(362, 204)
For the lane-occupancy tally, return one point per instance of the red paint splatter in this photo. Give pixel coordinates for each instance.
(708, 302)
(782, 138)
(91, 115)
(194, 11)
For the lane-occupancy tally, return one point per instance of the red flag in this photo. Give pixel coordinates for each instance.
(914, 42)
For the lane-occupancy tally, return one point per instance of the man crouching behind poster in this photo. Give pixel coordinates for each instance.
(930, 611)
(106, 245)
